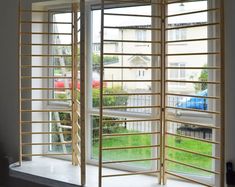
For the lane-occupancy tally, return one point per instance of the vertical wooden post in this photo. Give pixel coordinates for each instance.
(163, 91)
(101, 93)
(75, 148)
(222, 95)
(82, 93)
(19, 83)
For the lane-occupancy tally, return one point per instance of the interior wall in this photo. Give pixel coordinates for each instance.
(9, 81)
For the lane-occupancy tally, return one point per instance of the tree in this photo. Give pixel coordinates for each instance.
(203, 78)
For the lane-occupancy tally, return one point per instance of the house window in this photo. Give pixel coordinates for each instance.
(141, 35)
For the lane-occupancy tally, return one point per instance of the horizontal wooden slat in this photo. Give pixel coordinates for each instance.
(192, 40)
(130, 67)
(197, 68)
(193, 54)
(48, 77)
(130, 134)
(44, 22)
(194, 82)
(193, 110)
(49, 154)
(131, 15)
(49, 110)
(196, 96)
(135, 160)
(132, 41)
(44, 33)
(45, 89)
(41, 55)
(192, 166)
(132, 80)
(192, 26)
(188, 179)
(34, 133)
(192, 138)
(44, 44)
(132, 54)
(192, 152)
(51, 143)
(193, 123)
(118, 94)
(52, 100)
(128, 107)
(132, 28)
(52, 121)
(130, 147)
(128, 121)
(193, 12)
(30, 66)
(131, 173)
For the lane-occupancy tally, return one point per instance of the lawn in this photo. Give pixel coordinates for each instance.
(184, 143)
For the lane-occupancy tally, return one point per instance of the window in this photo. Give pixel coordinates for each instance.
(151, 106)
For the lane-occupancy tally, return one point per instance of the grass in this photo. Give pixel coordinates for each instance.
(183, 143)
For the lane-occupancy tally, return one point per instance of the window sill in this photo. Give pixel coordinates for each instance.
(60, 173)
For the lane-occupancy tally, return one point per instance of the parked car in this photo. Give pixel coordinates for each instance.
(194, 102)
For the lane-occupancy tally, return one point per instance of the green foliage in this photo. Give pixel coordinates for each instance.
(203, 77)
(107, 60)
(108, 101)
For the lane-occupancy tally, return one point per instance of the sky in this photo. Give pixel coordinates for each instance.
(128, 21)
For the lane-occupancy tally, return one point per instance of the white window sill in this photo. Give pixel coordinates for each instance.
(60, 173)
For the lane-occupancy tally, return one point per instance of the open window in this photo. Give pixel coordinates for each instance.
(150, 88)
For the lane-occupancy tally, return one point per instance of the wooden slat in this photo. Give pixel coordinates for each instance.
(194, 82)
(44, 44)
(134, 160)
(130, 147)
(193, 54)
(192, 123)
(44, 33)
(192, 152)
(188, 179)
(43, 89)
(197, 68)
(49, 154)
(193, 12)
(132, 54)
(128, 107)
(196, 96)
(26, 99)
(48, 110)
(30, 66)
(192, 26)
(192, 166)
(133, 41)
(52, 121)
(44, 22)
(130, 67)
(119, 94)
(192, 138)
(34, 133)
(52, 143)
(128, 121)
(41, 55)
(132, 80)
(130, 134)
(131, 173)
(131, 15)
(132, 28)
(193, 110)
(192, 40)
(45, 77)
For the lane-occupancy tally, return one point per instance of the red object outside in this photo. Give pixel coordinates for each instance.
(60, 84)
